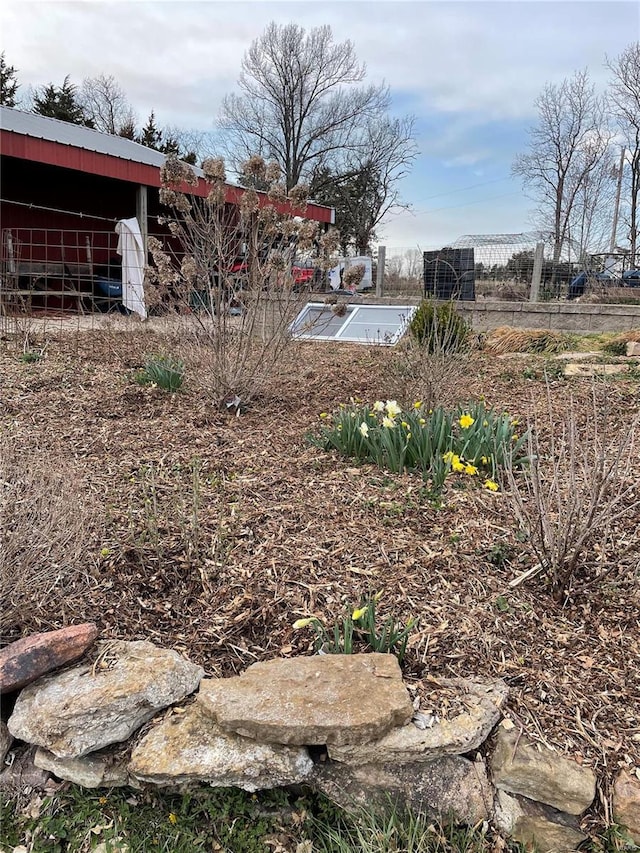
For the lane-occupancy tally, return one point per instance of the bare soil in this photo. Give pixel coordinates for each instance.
(217, 532)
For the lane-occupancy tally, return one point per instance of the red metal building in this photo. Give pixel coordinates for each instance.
(63, 188)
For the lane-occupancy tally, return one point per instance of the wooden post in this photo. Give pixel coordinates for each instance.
(380, 271)
(536, 276)
(141, 216)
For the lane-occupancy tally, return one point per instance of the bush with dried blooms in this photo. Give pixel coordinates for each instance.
(44, 519)
(233, 272)
(571, 500)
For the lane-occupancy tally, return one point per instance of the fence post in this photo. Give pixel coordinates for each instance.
(536, 276)
(380, 270)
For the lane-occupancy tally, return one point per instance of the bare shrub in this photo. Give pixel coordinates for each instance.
(45, 517)
(571, 499)
(239, 313)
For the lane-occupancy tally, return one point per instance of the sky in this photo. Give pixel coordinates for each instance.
(468, 70)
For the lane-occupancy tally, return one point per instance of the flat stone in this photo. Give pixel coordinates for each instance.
(594, 369)
(324, 699)
(457, 736)
(31, 657)
(5, 741)
(633, 348)
(626, 804)
(447, 787)
(92, 771)
(519, 767)
(188, 746)
(536, 824)
(86, 708)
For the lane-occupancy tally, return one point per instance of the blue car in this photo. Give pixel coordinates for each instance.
(631, 278)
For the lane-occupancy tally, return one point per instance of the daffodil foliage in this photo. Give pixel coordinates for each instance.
(473, 440)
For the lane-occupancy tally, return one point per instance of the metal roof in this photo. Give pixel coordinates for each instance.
(65, 133)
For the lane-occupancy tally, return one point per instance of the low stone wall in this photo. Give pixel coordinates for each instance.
(345, 725)
(485, 315)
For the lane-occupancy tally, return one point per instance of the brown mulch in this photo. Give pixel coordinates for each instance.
(218, 532)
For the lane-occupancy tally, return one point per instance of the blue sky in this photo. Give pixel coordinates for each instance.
(468, 70)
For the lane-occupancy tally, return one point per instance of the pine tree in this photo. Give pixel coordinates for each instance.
(60, 102)
(8, 83)
(150, 135)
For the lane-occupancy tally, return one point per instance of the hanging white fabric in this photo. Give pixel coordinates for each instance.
(131, 247)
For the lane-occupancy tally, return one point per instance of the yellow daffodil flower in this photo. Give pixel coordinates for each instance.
(456, 464)
(417, 404)
(302, 623)
(173, 818)
(339, 427)
(405, 424)
(421, 421)
(485, 423)
(392, 408)
(408, 436)
(491, 485)
(104, 552)
(388, 422)
(323, 415)
(378, 596)
(466, 421)
(470, 469)
(484, 460)
(358, 613)
(364, 429)
(448, 456)
(378, 406)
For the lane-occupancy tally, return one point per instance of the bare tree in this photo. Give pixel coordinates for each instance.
(366, 189)
(106, 104)
(566, 145)
(300, 104)
(624, 99)
(589, 226)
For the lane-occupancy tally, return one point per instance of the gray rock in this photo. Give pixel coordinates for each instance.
(188, 746)
(92, 771)
(633, 348)
(334, 699)
(22, 775)
(415, 742)
(86, 708)
(536, 824)
(450, 787)
(519, 767)
(626, 804)
(5, 741)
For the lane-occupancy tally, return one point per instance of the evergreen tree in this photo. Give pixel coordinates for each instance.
(8, 83)
(60, 102)
(151, 135)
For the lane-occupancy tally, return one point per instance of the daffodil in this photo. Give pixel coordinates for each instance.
(378, 406)
(173, 818)
(421, 421)
(364, 429)
(339, 427)
(408, 436)
(392, 408)
(466, 421)
(470, 469)
(302, 623)
(378, 596)
(485, 423)
(358, 613)
(388, 422)
(104, 552)
(457, 464)
(484, 460)
(323, 415)
(405, 424)
(491, 485)
(417, 404)
(448, 456)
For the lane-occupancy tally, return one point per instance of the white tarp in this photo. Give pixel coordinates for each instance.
(336, 274)
(131, 247)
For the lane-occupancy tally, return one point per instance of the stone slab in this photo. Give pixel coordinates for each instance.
(536, 824)
(188, 746)
(519, 767)
(626, 804)
(92, 771)
(324, 699)
(86, 708)
(457, 736)
(450, 787)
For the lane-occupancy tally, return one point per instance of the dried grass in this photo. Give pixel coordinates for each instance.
(542, 341)
(45, 518)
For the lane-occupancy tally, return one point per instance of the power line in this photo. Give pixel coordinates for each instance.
(464, 189)
(467, 204)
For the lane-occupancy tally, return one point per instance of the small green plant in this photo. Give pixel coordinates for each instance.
(162, 371)
(31, 356)
(438, 327)
(473, 440)
(360, 628)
